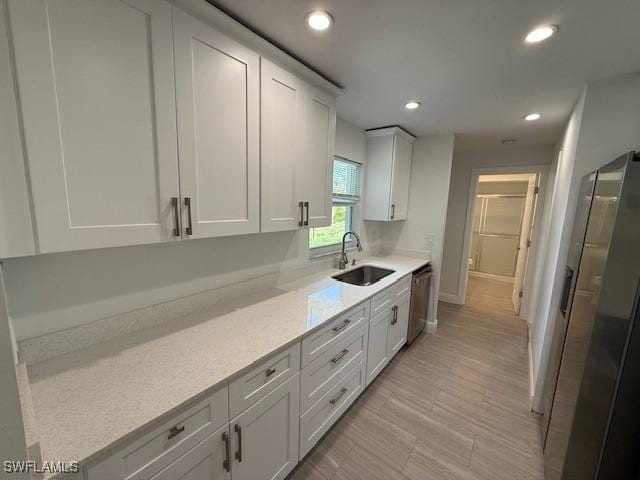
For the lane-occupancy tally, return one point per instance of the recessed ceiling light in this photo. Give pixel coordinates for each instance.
(412, 105)
(540, 33)
(532, 116)
(319, 20)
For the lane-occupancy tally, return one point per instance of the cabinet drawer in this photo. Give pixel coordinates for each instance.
(319, 376)
(255, 384)
(154, 451)
(402, 287)
(205, 461)
(315, 423)
(382, 301)
(321, 340)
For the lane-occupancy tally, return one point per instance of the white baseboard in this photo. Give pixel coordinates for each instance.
(432, 325)
(449, 298)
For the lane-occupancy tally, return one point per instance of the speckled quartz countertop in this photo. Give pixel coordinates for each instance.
(91, 400)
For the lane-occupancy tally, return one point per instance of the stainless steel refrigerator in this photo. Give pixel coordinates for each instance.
(591, 425)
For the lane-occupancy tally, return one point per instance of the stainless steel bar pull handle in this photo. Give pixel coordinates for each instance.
(176, 216)
(333, 401)
(340, 327)
(301, 207)
(187, 203)
(269, 372)
(174, 432)
(226, 463)
(306, 218)
(394, 309)
(238, 430)
(393, 210)
(339, 357)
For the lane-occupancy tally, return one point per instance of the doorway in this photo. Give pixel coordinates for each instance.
(501, 232)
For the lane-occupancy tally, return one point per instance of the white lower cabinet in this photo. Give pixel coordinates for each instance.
(398, 326)
(170, 443)
(207, 461)
(387, 330)
(265, 436)
(321, 375)
(280, 412)
(378, 349)
(317, 421)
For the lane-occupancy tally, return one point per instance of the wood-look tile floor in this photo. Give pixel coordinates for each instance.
(453, 406)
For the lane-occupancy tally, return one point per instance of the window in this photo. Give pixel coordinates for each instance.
(346, 194)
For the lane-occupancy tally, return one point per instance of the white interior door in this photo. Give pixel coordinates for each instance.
(319, 144)
(99, 119)
(525, 241)
(282, 128)
(402, 150)
(217, 96)
(265, 436)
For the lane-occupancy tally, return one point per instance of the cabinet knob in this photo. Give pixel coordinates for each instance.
(238, 430)
(333, 401)
(187, 203)
(340, 327)
(175, 431)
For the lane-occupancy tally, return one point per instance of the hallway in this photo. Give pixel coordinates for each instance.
(453, 406)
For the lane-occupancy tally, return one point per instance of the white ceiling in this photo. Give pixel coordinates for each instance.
(463, 59)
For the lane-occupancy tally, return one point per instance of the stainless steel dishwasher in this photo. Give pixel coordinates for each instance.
(420, 293)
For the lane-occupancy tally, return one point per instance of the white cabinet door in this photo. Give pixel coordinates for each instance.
(377, 351)
(389, 152)
(217, 96)
(265, 436)
(207, 461)
(398, 327)
(282, 130)
(319, 146)
(99, 119)
(402, 149)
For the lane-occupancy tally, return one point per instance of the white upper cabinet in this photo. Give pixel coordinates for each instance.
(152, 132)
(282, 117)
(298, 137)
(320, 131)
(99, 119)
(217, 97)
(389, 152)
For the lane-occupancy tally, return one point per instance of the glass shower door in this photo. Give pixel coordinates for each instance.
(496, 233)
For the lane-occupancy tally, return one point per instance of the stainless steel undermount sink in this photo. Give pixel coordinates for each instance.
(364, 275)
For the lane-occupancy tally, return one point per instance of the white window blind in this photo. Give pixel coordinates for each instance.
(346, 180)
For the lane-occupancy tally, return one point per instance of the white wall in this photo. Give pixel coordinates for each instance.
(604, 124)
(423, 230)
(459, 190)
(47, 293)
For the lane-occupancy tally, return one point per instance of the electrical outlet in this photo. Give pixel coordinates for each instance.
(429, 240)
